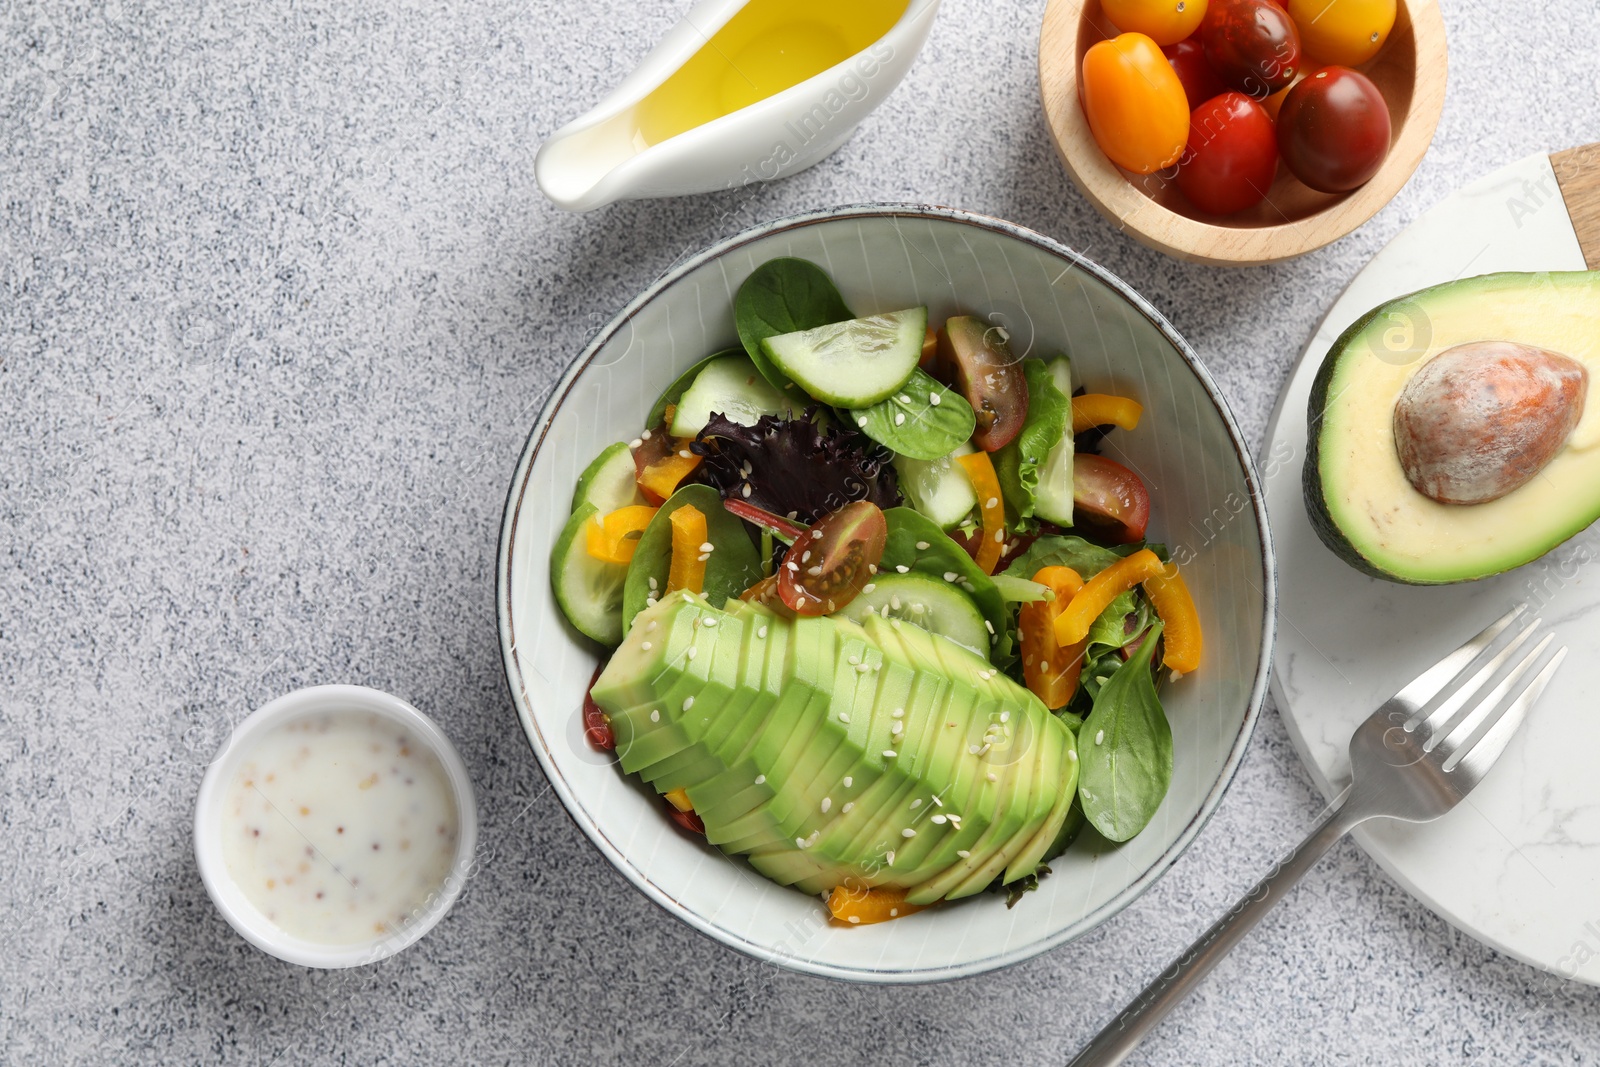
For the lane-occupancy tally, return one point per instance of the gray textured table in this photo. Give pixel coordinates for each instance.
(279, 300)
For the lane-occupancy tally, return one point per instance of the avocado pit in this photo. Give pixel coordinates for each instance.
(1482, 419)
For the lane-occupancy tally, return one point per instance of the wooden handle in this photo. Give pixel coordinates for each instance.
(1578, 175)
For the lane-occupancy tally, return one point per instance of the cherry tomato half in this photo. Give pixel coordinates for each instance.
(1163, 21)
(1232, 155)
(1346, 32)
(1253, 45)
(1333, 130)
(1109, 498)
(827, 565)
(1200, 82)
(1135, 104)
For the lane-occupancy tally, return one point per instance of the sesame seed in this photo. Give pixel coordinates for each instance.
(688, 702)
(888, 858)
(934, 399)
(917, 803)
(805, 557)
(936, 801)
(847, 806)
(991, 777)
(646, 435)
(903, 398)
(814, 571)
(950, 576)
(898, 713)
(869, 587)
(849, 781)
(710, 621)
(854, 660)
(652, 624)
(652, 586)
(861, 420)
(1099, 737)
(844, 717)
(922, 546)
(899, 418)
(684, 453)
(897, 728)
(1072, 754)
(762, 632)
(745, 492)
(908, 833)
(963, 853)
(863, 668)
(655, 715)
(635, 443)
(855, 918)
(761, 779)
(1005, 716)
(872, 568)
(799, 842)
(901, 567)
(889, 753)
(894, 602)
(894, 913)
(794, 568)
(799, 601)
(708, 547)
(827, 802)
(646, 646)
(974, 749)
(939, 820)
(816, 535)
(693, 652)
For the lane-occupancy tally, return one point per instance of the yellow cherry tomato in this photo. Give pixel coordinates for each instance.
(1343, 32)
(1135, 103)
(1163, 21)
(1274, 103)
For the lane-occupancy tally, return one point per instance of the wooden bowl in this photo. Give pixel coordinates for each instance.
(1294, 219)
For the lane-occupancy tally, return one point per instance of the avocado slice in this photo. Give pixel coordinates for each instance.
(813, 745)
(1357, 493)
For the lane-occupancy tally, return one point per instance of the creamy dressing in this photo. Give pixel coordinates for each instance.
(338, 826)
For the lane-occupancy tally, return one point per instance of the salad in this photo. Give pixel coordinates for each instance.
(880, 617)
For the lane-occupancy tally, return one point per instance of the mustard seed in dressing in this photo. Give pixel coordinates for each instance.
(338, 826)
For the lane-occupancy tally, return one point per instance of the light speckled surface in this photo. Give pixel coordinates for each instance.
(278, 302)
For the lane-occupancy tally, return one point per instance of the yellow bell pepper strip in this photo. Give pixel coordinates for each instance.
(858, 905)
(1072, 625)
(679, 798)
(1170, 597)
(690, 550)
(1050, 668)
(991, 506)
(1100, 409)
(614, 538)
(661, 478)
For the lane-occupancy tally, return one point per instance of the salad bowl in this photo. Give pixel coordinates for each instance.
(1206, 507)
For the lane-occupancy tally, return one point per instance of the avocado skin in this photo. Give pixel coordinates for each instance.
(1314, 490)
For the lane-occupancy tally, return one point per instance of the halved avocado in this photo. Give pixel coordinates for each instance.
(1357, 493)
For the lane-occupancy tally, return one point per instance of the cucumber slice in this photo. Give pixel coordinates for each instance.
(854, 363)
(1052, 500)
(732, 386)
(672, 393)
(926, 602)
(588, 590)
(939, 488)
(608, 482)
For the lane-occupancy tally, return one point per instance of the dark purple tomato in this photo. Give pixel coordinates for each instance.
(1200, 82)
(1232, 155)
(1333, 130)
(1253, 45)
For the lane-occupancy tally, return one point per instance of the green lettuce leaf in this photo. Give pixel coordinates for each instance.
(1049, 417)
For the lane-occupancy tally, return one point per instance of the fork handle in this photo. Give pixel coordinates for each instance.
(1112, 1045)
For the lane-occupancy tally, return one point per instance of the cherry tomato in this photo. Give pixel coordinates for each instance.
(1110, 498)
(1200, 82)
(596, 726)
(827, 565)
(1253, 45)
(1232, 155)
(1346, 32)
(974, 358)
(1333, 130)
(1135, 103)
(1274, 103)
(1163, 21)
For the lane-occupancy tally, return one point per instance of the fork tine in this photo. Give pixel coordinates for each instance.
(1438, 721)
(1432, 681)
(1477, 760)
(1480, 712)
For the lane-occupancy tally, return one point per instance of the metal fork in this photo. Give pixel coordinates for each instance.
(1415, 758)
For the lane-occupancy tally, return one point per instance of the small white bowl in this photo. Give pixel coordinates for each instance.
(230, 899)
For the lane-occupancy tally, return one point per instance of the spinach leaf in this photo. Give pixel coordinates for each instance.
(1063, 550)
(734, 565)
(1125, 754)
(913, 425)
(782, 296)
(1110, 628)
(1049, 417)
(908, 531)
(674, 392)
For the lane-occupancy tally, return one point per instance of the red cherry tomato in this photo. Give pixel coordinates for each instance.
(1200, 82)
(596, 726)
(1232, 155)
(1333, 130)
(1109, 497)
(828, 564)
(1253, 45)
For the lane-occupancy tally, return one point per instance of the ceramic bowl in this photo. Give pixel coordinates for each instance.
(1206, 506)
(1293, 219)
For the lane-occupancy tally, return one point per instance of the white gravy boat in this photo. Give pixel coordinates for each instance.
(600, 157)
